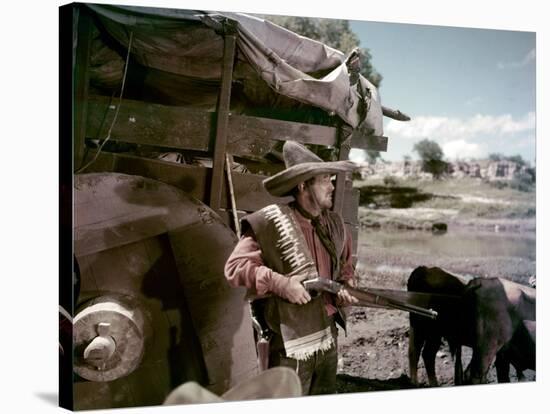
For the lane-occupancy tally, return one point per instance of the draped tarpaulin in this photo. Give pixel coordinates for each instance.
(275, 67)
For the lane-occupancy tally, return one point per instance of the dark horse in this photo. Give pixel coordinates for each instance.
(493, 316)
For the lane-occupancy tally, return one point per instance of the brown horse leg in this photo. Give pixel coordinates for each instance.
(416, 341)
(428, 355)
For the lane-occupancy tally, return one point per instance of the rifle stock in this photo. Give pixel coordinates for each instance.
(367, 298)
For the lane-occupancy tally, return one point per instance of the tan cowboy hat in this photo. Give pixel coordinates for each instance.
(301, 165)
(277, 382)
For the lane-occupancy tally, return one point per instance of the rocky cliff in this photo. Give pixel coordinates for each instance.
(485, 169)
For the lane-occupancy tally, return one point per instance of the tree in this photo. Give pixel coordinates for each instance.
(334, 33)
(518, 159)
(431, 155)
(373, 156)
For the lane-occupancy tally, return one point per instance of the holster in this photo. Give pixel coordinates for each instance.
(262, 333)
(340, 317)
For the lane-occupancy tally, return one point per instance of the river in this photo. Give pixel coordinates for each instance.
(466, 252)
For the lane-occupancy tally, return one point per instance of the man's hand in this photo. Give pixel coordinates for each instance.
(295, 291)
(344, 298)
(291, 288)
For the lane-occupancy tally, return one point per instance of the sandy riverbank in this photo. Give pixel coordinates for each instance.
(373, 356)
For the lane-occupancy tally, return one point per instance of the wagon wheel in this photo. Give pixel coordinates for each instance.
(155, 309)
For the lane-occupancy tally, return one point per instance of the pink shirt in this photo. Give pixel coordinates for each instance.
(245, 266)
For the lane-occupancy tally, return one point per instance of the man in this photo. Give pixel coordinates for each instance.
(281, 246)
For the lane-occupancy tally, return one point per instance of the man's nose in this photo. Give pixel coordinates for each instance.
(331, 186)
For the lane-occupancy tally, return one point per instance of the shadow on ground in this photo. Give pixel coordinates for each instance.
(391, 196)
(347, 383)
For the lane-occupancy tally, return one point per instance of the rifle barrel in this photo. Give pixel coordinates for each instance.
(367, 298)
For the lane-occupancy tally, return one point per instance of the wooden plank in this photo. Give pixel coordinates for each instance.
(255, 136)
(113, 210)
(250, 194)
(343, 154)
(354, 230)
(150, 124)
(192, 129)
(217, 179)
(191, 179)
(368, 142)
(350, 206)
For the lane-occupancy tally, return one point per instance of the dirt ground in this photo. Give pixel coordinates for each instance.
(373, 354)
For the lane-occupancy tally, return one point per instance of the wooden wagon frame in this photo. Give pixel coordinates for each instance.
(89, 119)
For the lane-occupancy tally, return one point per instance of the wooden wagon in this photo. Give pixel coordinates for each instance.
(170, 120)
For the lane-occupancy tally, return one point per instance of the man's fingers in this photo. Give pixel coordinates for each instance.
(303, 298)
(297, 294)
(346, 297)
(354, 299)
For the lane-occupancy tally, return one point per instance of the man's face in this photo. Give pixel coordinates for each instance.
(321, 188)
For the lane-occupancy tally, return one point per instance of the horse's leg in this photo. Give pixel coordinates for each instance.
(502, 365)
(428, 355)
(416, 340)
(459, 374)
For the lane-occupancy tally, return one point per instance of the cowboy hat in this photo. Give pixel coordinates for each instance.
(301, 165)
(277, 382)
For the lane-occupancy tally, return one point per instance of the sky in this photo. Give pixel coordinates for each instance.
(473, 91)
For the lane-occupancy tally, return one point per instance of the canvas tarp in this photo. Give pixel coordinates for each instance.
(183, 51)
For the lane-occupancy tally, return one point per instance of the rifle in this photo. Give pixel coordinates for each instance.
(366, 298)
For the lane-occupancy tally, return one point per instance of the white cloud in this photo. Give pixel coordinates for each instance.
(357, 155)
(529, 57)
(473, 137)
(447, 129)
(461, 149)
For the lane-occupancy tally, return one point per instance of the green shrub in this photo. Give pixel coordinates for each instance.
(522, 183)
(390, 181)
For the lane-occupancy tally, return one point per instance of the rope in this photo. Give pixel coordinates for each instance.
(117, 108)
